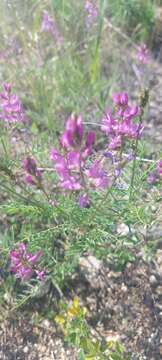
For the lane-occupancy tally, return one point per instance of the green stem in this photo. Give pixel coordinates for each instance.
(135, 157)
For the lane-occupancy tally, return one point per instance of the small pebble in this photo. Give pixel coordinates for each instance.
(26, 349)
(159, 290)
(153, 280)
(124, 288)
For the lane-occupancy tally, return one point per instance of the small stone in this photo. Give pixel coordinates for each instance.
(41, 348)
(114, 274)
(159, 290)
(124, 288)
(90, 263)
(123, 229)
(95, 262)
(159, 256)
(7, 297)
(46, 323)
(160, 349)
(153, 280)
(26, 349)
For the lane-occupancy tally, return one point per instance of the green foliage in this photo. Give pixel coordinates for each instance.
(76, 332)
(135, 16)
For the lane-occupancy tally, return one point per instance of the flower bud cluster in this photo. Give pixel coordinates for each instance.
(33, 175)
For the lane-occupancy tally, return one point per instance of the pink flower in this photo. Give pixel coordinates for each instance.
(108, 123)
(49, 25)
(122, 127)
(40, 275)
(11, 107)
(76, 148)
(152, 178)
(115, 143)
(131, 112)
(23, 263)
(70, 183)
(60, 163)
(84, 201)
(74, 159)
(66, 139)
(73, 134)
(33, 175)
(29, 165)
(90, 139)
(97, 175)
(143, 54)
(159, 167)
(63, 168)
(92, 12)
(120, 99)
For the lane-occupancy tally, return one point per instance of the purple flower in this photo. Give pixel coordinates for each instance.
(73, 134)
(40, 275)
(159, 167)
(97, 175)
(117, 172)
(49, 25)
(152, 178)
(30, 166)
(143, 54)
(121, 127)
(33, 175)
(92, 12)
(90, 139)
(76, 147)
(63, 168)
(75, 125)
(131, 112)
(70, 183)
(23, 263)
(66, 139)
(60, 163)
(84, 201)
(108, 123)
(115, 143)
(74, 159)
(120, 99)
(11, 109)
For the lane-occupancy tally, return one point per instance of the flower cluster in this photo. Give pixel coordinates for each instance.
(154, 176)
(33, 175)
(24, 264)
(11, 109)
(121, 126)
(49, 25)
(143, 54)
(92, 12)
(70, 164)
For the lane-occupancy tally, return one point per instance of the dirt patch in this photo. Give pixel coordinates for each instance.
(126, 305)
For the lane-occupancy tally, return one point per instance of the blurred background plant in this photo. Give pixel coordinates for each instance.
(136, 17)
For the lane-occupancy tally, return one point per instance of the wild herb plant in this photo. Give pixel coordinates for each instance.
(60, 196)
